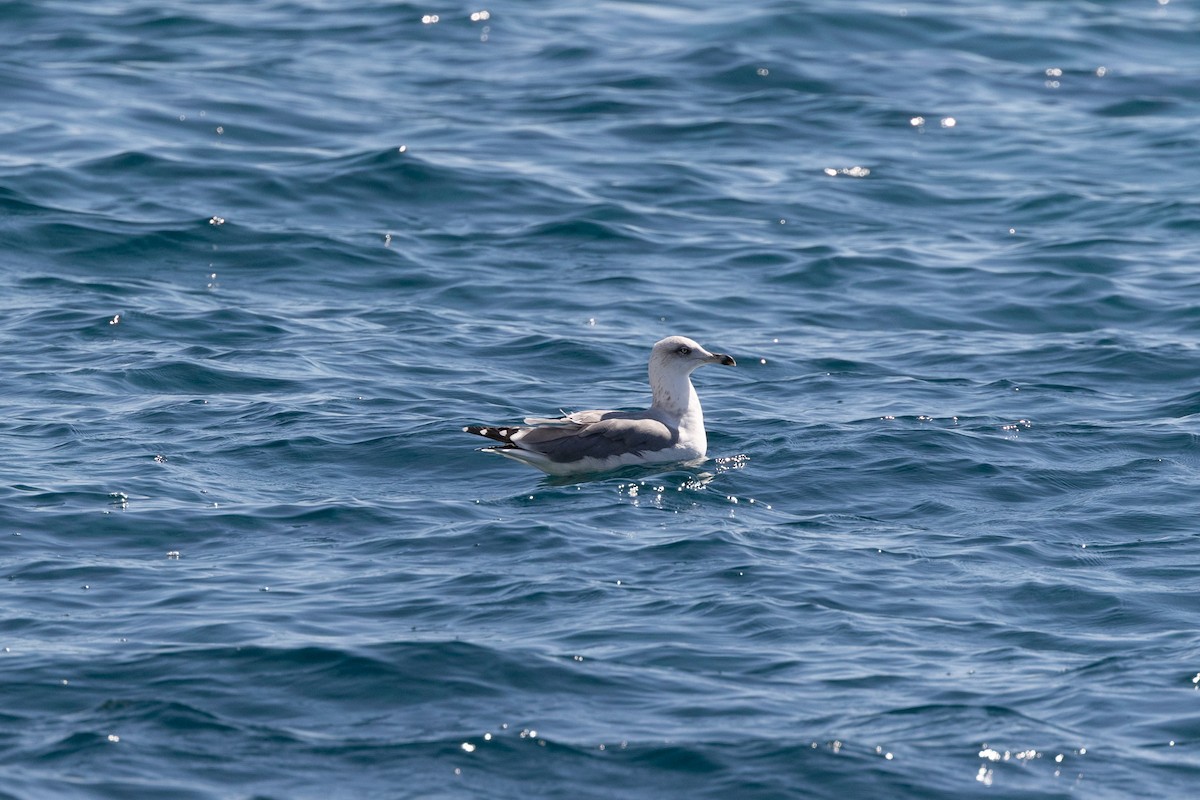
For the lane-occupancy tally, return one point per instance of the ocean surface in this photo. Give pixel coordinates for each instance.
(261, 262)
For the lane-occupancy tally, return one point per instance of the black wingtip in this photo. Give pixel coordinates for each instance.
(502, 435)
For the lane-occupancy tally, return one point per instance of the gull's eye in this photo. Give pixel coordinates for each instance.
(684, 351)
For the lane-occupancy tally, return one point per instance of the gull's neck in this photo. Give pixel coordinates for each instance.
(675, 395)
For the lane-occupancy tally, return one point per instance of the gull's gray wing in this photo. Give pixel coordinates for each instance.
(614, 435)
(574, 419)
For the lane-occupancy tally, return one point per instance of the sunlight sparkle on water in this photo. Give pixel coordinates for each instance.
(853, 172)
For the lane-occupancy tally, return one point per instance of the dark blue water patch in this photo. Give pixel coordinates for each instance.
(17, 204)
(399, 178)
(187, 378)
(115, 246)
(1182, 407)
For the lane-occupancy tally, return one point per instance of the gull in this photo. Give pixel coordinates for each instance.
(671, 430)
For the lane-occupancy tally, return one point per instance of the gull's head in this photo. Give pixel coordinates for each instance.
(681, 355)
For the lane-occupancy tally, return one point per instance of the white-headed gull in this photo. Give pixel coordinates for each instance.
(670, 430)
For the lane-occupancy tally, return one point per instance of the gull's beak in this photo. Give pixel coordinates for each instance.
(721, 358)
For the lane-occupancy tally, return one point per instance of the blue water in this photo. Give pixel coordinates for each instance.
(260, 262)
